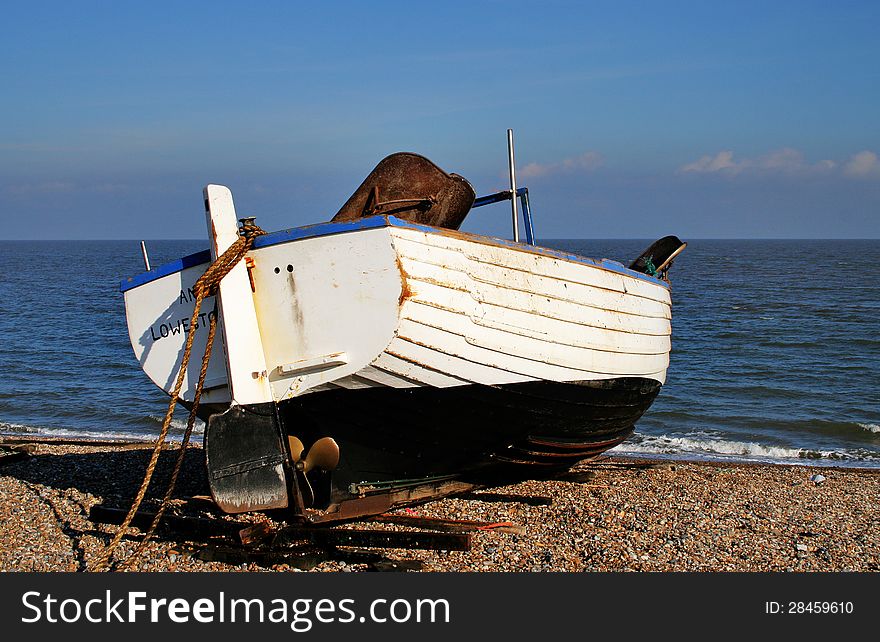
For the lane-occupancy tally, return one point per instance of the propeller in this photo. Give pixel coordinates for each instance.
(323, 455)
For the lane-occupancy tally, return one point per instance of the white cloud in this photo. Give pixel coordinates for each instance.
(586, 162)
(783, 161)
(721, 160)
(863, 164)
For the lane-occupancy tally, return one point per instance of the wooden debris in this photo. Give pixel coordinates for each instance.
(255, 534)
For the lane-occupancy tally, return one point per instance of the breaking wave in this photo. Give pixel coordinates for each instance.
(875, 428)
(178, 426)
(148, 434)
(17, 430)
(714, 448)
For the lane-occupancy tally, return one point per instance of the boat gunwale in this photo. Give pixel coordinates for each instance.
(375, 222)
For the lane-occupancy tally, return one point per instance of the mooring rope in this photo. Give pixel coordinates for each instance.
(205, 286)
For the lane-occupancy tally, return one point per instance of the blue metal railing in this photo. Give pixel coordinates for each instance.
(523, 194)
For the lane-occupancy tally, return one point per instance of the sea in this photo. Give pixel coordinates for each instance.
(775, 358)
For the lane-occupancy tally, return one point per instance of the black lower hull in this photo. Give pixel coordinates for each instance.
(388, 434)
(398, 438)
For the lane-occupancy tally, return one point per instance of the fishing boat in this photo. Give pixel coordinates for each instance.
(385, 357)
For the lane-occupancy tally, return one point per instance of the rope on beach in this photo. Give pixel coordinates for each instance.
(205, 286)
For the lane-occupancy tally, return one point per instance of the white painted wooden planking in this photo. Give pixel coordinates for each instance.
(470, 276)
(448, 246)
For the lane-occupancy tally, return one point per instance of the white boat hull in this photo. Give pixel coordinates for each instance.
(393, 304)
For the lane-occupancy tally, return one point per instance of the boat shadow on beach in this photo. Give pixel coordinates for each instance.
(113, 475)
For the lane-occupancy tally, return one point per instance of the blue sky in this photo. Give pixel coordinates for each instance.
(632, 120)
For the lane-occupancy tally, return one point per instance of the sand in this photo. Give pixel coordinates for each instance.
(611, 515)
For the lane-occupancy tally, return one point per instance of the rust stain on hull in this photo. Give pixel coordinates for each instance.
(406, 291)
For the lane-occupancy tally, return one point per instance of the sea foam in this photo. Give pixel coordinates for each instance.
(650, 444)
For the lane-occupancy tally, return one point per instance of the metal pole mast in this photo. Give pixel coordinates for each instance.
(512, 165)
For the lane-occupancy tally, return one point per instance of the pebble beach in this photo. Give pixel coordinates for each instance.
(615, 514)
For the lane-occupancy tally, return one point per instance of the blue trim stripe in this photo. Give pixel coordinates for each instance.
(273, 238)
(324, 229)
(374, 222)
(164, 270)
